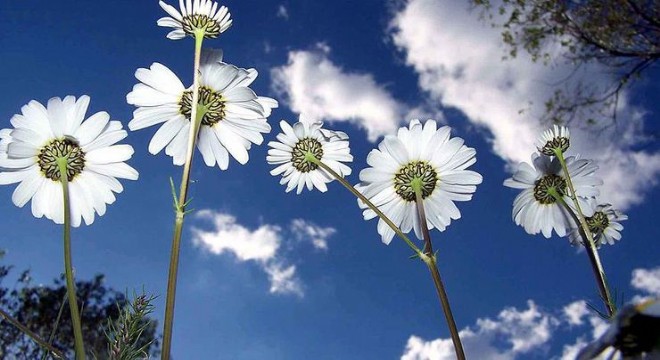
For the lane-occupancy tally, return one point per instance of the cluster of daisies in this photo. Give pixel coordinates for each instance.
(421, 155)
(545, 203)
(58, 144)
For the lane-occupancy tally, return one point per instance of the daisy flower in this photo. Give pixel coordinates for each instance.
(634, 332)
(535, 209)
(423, 154)
(41, 135)
(604, 224)
(195, 15)
(557, 138)
(233, 117)
(327, 146)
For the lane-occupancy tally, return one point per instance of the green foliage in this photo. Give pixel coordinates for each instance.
(125, 341)
(622, 35)
(39, 307)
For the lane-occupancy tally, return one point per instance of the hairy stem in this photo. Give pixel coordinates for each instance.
(68, 268)
(587, 240)
(430, 260)
(181, 203)
(364, 199)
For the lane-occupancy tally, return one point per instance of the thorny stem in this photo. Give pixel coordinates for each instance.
(41, 342)
(68, 268)
(181, 203)
(430, 260)
(310, 157)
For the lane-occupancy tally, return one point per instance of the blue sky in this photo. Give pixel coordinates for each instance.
(310, 278)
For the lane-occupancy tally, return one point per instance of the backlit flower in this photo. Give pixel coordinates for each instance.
(195, 15)
(604, 224)
(41, 135)
(294, 143)
(555, 139)
(422, 154)
(535, 208)
(233, 117)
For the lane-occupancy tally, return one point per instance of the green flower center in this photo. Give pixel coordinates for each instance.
(194, 22)
(302, 148)
(544, 184)
(61, 148)
(557, 143)
(420, 171)
(598, 222)
(210, 102)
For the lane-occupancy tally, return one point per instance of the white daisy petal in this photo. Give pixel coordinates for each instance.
(200, 15)
(165, 135)
(170, 10)
(537, 211)
(289, 156)
(422, 152)
(604, 225)
(42, 135)
(234, 120)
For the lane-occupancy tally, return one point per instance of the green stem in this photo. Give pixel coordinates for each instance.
(31, 334)
(431, 263)
(68, 268)
(592, 252)
(181, 203)
(347, 185)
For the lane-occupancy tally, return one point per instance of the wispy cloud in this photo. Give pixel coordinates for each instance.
(523, 331)
(456, 57)
(318, 89)
(262, 246)
(517, 333)
(647, 280)
(282, 12)
(310, 232)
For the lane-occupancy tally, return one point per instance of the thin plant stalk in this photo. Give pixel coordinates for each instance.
(431, 263)
(181, 202)
(57, 324)
(310, 157)
(427, 256)
(68, 268)
(588, 241)
(41, 342)
(594, 259)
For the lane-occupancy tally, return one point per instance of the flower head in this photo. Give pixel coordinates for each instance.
(421, 156)
(197, 15)
(290, 154)
(554, 140)
(232, 116)
(604, 224)
(536, 209)
(41, 136)
(634, 332)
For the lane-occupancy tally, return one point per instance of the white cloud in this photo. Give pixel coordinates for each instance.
(283, 279)
(457, 58)
(647, 280)
(529, 331)
(263, 246)
(524, 331)
(228, 236)
(319, 89)
(308, 231)
(282, 12)
(443, 349)
(575, 311)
